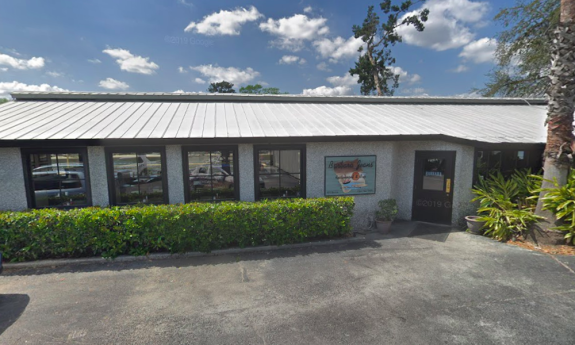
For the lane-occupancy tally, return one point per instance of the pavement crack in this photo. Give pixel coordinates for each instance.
(244, 275)
(562, 263)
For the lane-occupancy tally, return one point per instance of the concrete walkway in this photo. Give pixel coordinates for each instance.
(421, 285)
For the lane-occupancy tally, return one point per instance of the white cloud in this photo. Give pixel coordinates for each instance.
(404, 76)
(179, 91)
(291, 59)
(418, 91)
(292, 32)
(182, 70)
(459, 69)
(346, 80)
(3, 69)
(7, 87)
(199, 81)
(322, 66)
(233, 75)
(449, 25)
(341, 87)
(308, 9)
(224, 22)
(54, 74)
(113, 84)
(328, 91)
(94, 61)
(132, 63)
(480, 51)
(338, 48)
(22, 64)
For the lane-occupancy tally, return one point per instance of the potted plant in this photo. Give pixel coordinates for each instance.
(385, 215)
(474, 224)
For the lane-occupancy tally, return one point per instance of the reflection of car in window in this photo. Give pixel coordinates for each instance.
(48, 184)
(129, 165)
(63, 167)
(206, 176)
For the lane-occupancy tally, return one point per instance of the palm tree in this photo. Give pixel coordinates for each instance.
(560, 146)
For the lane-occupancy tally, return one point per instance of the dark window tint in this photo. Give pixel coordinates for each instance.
(58, 179)
(138, 177)
(211, 174)
(506, 162)
(279, 173)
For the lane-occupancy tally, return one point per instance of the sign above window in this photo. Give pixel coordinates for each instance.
(350, 175)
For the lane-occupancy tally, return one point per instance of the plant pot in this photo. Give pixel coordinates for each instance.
(475, 226)
(383, 226)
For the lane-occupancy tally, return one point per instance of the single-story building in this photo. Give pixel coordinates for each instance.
(98, 149)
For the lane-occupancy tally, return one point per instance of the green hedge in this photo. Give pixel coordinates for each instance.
(138, 230)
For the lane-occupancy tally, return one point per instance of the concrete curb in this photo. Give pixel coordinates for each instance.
(162, 256)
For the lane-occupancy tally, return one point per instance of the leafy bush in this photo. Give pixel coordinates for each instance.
(507, 205)
(53, 233)
(387, 210)
(561, 201)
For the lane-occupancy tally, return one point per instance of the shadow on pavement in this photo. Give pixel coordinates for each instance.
(11, 307)
(181, 261)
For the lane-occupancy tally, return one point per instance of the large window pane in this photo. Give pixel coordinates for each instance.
(58, 179)
(434, 174)
(211, 175)
(138, 177)
(279, 173)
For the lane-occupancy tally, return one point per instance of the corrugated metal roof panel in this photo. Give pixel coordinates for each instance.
(238, 117)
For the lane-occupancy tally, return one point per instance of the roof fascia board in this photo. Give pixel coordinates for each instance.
(244, 98)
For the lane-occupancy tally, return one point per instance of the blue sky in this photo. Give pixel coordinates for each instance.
(170, 45)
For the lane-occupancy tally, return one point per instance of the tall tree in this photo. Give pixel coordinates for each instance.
(3, 100)
(561, 92)
(221, 87)
(257, 89)
(523, 49)
(372, 67)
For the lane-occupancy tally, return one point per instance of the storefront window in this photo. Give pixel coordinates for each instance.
(506, 162)
(137, 177)
(57, 179)
(280, 173)
(211, 174)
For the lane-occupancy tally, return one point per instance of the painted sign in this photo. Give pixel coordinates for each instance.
(350, 175)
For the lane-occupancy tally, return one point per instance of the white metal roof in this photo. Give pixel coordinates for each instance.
(42, 116)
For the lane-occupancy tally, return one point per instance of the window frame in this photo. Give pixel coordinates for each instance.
(271, 147)
(137, 150)
(185, 169)
(28, 180)
(530, 152)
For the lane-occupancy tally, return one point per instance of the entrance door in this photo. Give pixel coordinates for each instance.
(433, 186)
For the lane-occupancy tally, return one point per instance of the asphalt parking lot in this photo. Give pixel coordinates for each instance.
(442, 288)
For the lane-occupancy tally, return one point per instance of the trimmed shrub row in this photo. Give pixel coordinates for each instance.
(139, 230)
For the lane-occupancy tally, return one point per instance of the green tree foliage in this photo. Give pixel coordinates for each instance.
(257, 89)
(372, 67)
(221, 87)
(507, 205)
(3, 100)
(561, 201)
(523, 49)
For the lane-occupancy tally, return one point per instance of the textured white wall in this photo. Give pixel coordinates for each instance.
(365, 205)
(402, 190)
(12, 187)
(246, 171)
(98, 176)
(175, 174)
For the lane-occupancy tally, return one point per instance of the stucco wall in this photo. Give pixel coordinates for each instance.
(365, 204)
(175, 174)
(402, 190)
(98, 176)
(246, 170)
(12, 187)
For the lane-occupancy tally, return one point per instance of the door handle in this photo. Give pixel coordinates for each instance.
(448, 186)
